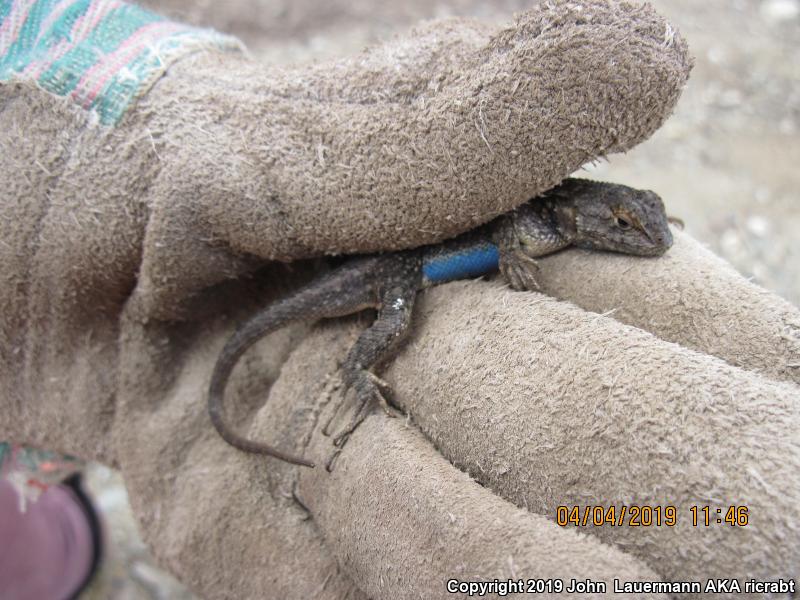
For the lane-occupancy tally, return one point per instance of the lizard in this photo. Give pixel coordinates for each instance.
(577, 212)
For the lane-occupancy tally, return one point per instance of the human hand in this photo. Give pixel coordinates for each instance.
(125, 303)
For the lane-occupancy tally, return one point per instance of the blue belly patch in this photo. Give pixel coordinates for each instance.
(463, 264)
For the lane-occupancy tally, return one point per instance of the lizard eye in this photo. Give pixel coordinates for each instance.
(623, 224)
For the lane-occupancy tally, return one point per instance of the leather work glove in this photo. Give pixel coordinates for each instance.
(150, 197)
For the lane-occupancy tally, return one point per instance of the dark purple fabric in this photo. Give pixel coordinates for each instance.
(47, 551)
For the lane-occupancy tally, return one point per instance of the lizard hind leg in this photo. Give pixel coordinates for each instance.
(344, 291)
(376, 344)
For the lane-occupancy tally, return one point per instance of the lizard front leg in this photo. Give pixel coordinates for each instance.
(517, 268)
(379, 342)
(525, 234)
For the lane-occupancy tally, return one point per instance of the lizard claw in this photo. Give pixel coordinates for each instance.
(332, 460)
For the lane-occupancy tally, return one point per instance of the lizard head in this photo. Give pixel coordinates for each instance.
(609, 216)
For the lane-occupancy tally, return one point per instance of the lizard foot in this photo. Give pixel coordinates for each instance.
(519, 270)
(367, 388)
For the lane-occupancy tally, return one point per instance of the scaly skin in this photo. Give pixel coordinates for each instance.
(578, 212)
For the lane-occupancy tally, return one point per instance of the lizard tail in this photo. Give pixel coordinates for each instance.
(343, 291)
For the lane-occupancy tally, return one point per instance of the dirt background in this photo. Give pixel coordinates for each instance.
(726, 162)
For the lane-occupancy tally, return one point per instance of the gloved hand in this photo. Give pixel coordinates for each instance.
(131, 251)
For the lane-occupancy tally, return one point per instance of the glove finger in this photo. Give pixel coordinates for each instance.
(690, 297)
(402, 521)
(549, 405)
(263, 23)
(284, 164)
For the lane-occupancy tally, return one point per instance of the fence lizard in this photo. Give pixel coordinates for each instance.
(578, 212)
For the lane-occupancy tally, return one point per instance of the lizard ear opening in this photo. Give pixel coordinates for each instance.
(567, 216)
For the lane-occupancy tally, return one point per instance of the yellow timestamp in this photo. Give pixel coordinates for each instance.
(705, 516)
(650, 516)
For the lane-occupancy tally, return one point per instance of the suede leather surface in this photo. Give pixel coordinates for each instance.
(128, 255)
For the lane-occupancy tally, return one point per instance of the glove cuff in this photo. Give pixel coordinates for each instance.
(102, 54)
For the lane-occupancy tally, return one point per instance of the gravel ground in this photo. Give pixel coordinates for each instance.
(726, 163)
